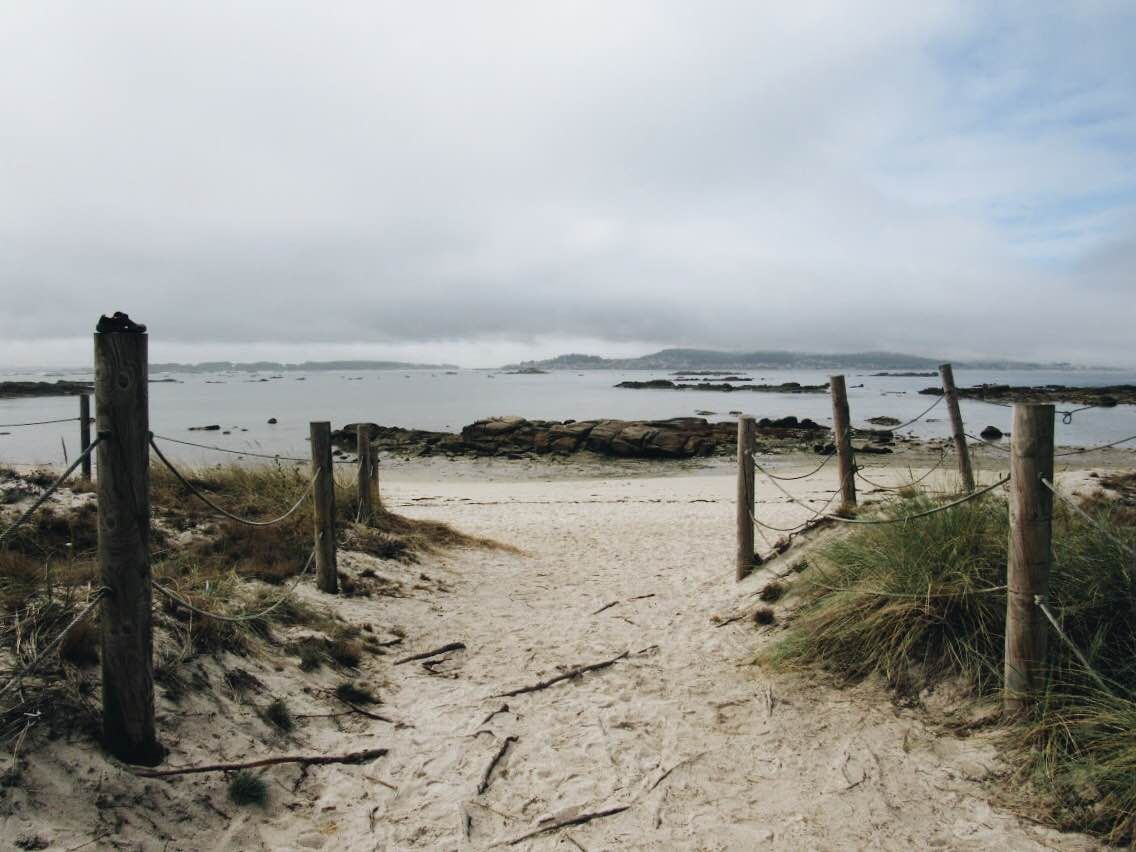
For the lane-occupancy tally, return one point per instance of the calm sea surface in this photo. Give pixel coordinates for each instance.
(440, 401)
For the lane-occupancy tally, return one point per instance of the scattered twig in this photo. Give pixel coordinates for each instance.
(568, 675)
(483, 784)
(682, 762)
(466, 822)
(731, 620)
(504, 708)
(357, 709)
(574, 842)
(629, 600)
(564, 823)
(605, 606)
(353, 757)
(452, 646)
(94, 839)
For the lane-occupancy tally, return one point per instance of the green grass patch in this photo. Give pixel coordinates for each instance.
(921, 602)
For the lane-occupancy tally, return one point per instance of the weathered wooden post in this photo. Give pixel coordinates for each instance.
(323, 498)
(122, 421)
(842, 438)
(1031, 535)
(746, 431)
(85, 433)
(366, 467)
(377, 498)
(961, 450)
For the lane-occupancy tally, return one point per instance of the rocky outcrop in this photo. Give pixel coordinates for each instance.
(515, 437)
(11, 390)
(1104, 396)
(667, 384)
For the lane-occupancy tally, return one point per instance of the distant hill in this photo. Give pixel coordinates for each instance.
(307, 366)
(710, 359)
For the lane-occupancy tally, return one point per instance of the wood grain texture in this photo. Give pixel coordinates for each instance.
(958, 429)
(323, 498)
(1030, 552)
(746, 431)
(122, 413)
(842, 437)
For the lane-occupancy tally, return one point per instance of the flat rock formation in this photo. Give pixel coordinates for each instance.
(516, 437)
(1104, 396)
(11, 390)
(667, 384)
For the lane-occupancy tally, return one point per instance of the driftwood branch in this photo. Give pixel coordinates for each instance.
(629, 600)
(353, 757)
(483, 784)
(357, 709)
(564, 823)
(504, 708)
(452, 646)
(568, 675)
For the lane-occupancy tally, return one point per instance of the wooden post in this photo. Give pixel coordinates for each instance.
(961, 450)
(85, 433)
(122, 419)
(327, 578)
(377, 498)
(1027, 572)
(366, 467)
(842, 437)
(745, 496)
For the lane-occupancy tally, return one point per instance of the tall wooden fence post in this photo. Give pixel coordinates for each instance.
(842, 437)
(957, 429)
(85, 433)
(1031, 535)
(746, 431)
(122, 421)
(327, 578)
(363, 449)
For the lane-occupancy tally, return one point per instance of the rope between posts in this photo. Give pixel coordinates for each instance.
(246, 521)
(1067, 416)
(1099, 447)
(1040, 602)
(38, 422)
(984, 442)
(973, 495)
(233, 452)
(99, 595)
(938, 464)
(910, 422)
(52, 488)
(813, 472)
(1072, 504)
(236, 619)
(816, 512)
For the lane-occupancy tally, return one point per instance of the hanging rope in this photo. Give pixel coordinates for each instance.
(1070, 644)
(232, 452)
(50, 646)
(236, 619)
(246, 521)
(973, 495)
(813, 472)
(52, 488)
(938, 464)
(910, 422)
(38, 422)
(1099, 447)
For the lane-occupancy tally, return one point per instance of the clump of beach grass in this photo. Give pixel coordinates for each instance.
(246, 788)
(924, 602)
(278, 714)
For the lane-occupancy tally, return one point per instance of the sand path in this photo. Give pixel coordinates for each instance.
(704, 750)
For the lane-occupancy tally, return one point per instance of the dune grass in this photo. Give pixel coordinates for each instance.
(924, 602)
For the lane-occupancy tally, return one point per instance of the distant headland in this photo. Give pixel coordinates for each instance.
(276, 366)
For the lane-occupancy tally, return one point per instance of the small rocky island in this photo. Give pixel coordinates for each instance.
(1104, 396)
(20, 390)
(667, 384)
(516, 437)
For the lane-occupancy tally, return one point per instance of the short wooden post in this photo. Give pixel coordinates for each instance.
(327, 578)
(842, 437)
(85, 433)
(1027, 571)
(746, 430)
(376, 498)
(961, 449)
(363, 449)
(122, 419)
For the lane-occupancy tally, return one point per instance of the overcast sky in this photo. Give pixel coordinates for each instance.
(484, 181)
